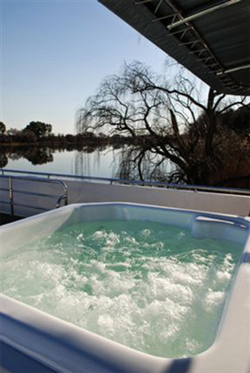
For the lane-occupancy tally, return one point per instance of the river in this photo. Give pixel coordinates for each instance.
(100, 162)
(108, 162)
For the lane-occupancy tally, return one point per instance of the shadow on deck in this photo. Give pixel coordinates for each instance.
(5, 218)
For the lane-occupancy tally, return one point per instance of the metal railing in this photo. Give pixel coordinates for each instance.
(11, 192)
(195, 188)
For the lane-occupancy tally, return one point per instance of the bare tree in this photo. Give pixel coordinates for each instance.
(170, 121)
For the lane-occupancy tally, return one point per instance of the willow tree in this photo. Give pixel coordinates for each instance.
(172, 120)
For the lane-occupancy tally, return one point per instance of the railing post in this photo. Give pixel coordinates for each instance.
(67, 197)
(11, 195)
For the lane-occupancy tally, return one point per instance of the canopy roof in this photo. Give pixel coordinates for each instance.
(210, 38)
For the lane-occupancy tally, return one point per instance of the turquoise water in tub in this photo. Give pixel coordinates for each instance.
(146, 285)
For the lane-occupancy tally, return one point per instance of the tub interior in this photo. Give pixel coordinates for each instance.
(152, 279)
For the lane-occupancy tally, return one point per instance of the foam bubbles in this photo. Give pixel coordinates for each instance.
(146, 285)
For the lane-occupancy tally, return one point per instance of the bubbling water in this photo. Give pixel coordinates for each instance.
(146, 285)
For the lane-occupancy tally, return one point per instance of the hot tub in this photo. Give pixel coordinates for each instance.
(117, 287)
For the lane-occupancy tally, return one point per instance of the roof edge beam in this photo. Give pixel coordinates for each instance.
(202, 13)
(142, 2)
(243, 67)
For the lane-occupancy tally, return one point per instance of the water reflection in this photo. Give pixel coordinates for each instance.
(3, 160)
(84, 160)
(123, 162)
(127, 163)
(138, 163)
(35, 155)
(83, 163)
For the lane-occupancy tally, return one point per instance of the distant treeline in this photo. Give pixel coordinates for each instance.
(40, 134)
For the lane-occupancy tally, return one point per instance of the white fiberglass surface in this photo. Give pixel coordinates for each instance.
(149, 286)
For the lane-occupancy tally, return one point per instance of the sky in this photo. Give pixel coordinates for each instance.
(54, 55)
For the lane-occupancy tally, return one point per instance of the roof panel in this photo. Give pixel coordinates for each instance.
(208, 45)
